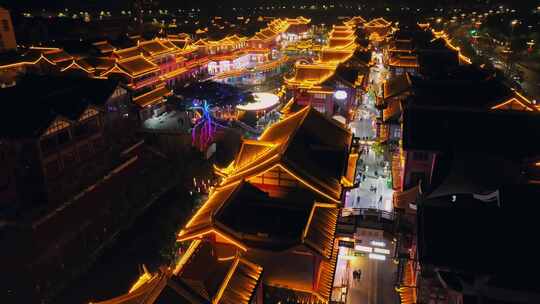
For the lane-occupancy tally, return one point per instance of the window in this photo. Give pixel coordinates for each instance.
(397, 133)
(420, 156)
(319, 96)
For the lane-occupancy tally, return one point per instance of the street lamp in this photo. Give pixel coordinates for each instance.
(530, 44)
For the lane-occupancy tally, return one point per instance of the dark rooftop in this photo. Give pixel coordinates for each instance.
(253, 212)
(511, 134)
(463, 233)
(36, 101)
(463, 87)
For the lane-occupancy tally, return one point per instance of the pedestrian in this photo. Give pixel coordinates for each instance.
(380, 199)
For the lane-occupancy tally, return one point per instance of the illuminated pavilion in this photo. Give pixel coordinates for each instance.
(268, 228)
(379, 26)
(280, 206)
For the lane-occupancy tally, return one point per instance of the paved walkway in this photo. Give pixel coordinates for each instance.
(376, 283)
(373, 191)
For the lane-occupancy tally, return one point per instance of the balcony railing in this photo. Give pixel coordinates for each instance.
(368, 212)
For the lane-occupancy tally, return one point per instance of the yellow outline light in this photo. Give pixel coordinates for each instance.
(217, 297)
(183, 260)
(308, 185)
(205, 205)
(312, 212)
(528, 108)
(215, 231)
(74, 63)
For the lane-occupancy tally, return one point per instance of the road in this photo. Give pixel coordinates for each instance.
(376, 284)
(377, 279)
(373, 191)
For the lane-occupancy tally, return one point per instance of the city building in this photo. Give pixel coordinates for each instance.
(145, 67)
(333, 83)
(69, 128)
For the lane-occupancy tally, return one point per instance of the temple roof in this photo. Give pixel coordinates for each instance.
(352, 76)
(338, 42)
(101, 63)
(168, 44)
(355, 21)
(57, 56)
(341, 33)
(181, 44)
(378, 22)
(256, 220)
(303, 143)
(307, 75)
(401, 46)
(330, 55)
(207, 273)
(342, 28)
(514, 134)
(516, 102)
(128, 53)
(217, 273)
(81, 64)
(298, 20)
(153, 47)
(136, 66)
(153, 97)
(403, 61)
(104, 47)
(473, 246)
(467, 88)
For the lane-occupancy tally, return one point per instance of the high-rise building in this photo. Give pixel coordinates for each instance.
(7, 34)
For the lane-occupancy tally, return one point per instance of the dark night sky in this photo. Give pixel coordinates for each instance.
(21, 4)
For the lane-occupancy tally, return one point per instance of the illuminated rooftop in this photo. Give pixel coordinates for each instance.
(301, 154)
(263, 101)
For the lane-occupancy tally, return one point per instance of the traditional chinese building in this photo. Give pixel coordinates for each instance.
(271, 221)
(331, 89)
(228, 277)
(334, 82)
(70, 125)
(454, 92)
